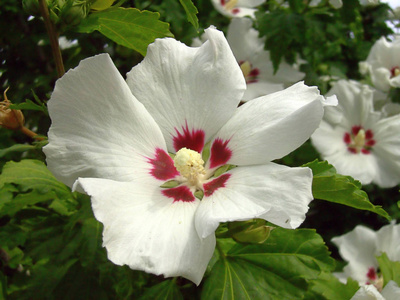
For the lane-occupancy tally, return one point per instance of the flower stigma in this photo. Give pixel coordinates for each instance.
(190, 165)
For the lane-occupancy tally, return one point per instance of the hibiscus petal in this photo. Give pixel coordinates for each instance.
(190, 92)
(358, 247)
(244, 39)
(98, 127)
(272, 126)
(276, 193)
(367, 292)
(388, 238)
(387, 151)
(391, 291)
(148, 231)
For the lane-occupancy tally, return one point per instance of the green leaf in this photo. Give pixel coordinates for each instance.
(166, 290)
(276, 269)
(191, 12)
(284, 31)
(389, 269)
(330, 186)
(32, 174)
(330, 288)
(23, 200)
(91, 231)
(128, 27)
(30, 105)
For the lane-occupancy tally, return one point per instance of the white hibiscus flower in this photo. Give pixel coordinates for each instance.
(237, 8)
(360, 247)
(358, 141)
(112, 139)
(383, 64)
(255, 62)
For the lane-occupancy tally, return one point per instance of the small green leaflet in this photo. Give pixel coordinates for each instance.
(128, 27)
(30, 105)
(277, 269)
(390, 269)
(330, 186)
(191, 12)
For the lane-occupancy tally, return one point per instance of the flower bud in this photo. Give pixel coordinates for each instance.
(251, 231)
(10, 118)
(73, 15)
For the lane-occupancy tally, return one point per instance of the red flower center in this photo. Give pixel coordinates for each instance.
(359, 140)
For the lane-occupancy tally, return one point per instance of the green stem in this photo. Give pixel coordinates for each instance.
(53, 36)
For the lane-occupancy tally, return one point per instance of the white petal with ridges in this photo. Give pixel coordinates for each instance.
(98, 127)
(276, 193)
(147, 231)
(179, 85)
(272, 126)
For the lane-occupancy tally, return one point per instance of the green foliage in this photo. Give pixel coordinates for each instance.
(166, 290)
(30, 105)
(390, 269)
(52, 241)
(32, 175)
(280, 268)
(329, 287)
(191, 12)
(128, 27)
(283, 30)
(333, 187)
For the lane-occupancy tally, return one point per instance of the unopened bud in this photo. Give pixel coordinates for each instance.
(252, 231)
(10, 118)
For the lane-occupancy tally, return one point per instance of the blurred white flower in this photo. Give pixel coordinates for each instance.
(237, 8)
(66, 43)
(369, 2)
(383, 64)
(357, 140)
(334, 3)
(360, 247)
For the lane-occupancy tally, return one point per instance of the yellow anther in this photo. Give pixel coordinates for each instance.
(358, 141)
(231, 4)
(246, 68)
